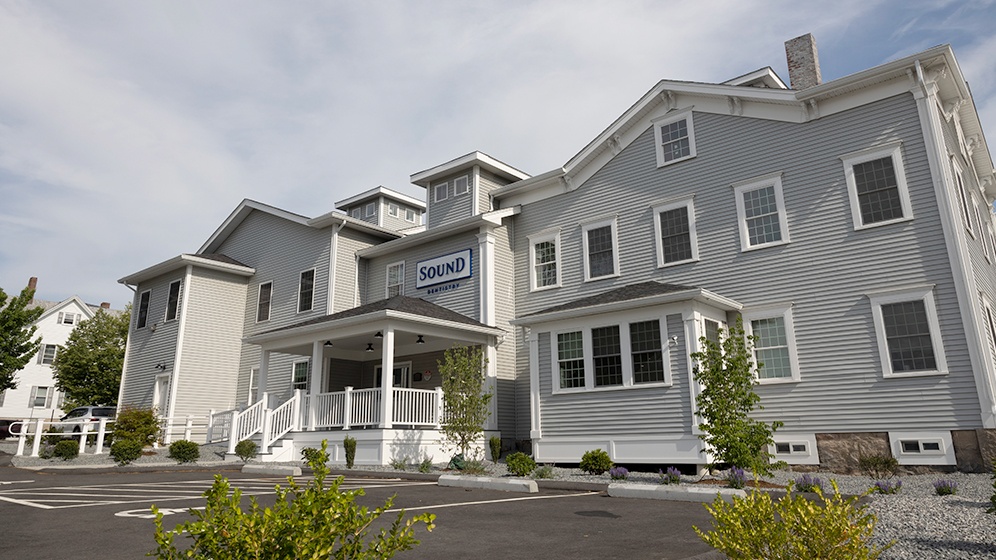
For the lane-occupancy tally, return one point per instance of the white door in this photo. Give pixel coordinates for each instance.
(402, 375)
(160, 394)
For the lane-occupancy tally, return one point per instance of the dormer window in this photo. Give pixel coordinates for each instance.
(392, 210)
(356, 212)
(371, 209)
(461, 186)
(440, 192)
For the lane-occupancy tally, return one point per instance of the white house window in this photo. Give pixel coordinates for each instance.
(992, 240)
(876, 186)
(675, 227)
(173, 300)
(675, 138)
(570, 359)
(774, 346)
(545, 258)
(461, 186)
(68, 318)
(963, 197)
(392, 209)
(761, 213)
(263, 302)
(143, 309)
(712, 330)
(300, 376)
(46, 355)
(601, 256)
(606, 352)
(371, 210)
(409, 215)
(440, 192)
(645, 348)
(41, 397)
(356, 212)
(908, 332)
(306, 291)
(395, 279)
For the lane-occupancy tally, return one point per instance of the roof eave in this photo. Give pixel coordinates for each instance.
(698, 294)
(493, 218)
(181, 261)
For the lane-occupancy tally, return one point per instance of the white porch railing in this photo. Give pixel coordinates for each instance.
(417, 407)
(362, 407)
(280, 420)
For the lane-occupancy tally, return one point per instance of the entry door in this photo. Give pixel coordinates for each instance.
(160, 396)
(402, 375)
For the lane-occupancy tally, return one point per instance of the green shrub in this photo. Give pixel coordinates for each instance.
(546, 471)
(425, 466)
(349, 444)
(310, 455)
(475, 467)
(595, 461)
(184, 451)
(314, 521)
(879, 466)
(830, 528)
(399, 464)
(54, 436)
(125, 451)
(246, 449)
(137, 424)
(67, 449)
(495, 444)
(520, 464)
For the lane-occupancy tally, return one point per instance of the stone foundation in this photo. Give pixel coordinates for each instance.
(842, 452)
(975, 450)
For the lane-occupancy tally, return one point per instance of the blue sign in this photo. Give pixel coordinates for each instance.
(447, 268)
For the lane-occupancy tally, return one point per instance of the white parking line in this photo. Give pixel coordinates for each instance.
(485, 502)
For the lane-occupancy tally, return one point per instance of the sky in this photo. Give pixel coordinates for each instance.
(129, 131)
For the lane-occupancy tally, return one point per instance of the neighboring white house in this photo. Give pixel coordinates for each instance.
(35, 395)
(849, 224)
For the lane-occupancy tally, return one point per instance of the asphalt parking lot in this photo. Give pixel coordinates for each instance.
(105, 514)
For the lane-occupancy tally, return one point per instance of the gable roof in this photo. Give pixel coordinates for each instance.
(378, 192)
(53, 307)
(212, 261)
(480, 159)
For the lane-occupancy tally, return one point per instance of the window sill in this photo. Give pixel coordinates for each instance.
(883, 223)
(678, 263)
(764, 246)
(606, 277)
(929, 373)
(544, 288)
(778, 381)
(611, 388)
(661, 164)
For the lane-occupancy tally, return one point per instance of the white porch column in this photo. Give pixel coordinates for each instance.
(387, 380)
(264, 365)
(491, 384)
(317, 374)
(535, 431)
(690, 320)
(487, 280)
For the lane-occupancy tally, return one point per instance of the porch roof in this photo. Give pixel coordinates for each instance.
(628, 297)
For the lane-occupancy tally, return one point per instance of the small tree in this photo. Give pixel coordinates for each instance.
(17, 346)
(462, 371)
(88, 369)
(727, 373)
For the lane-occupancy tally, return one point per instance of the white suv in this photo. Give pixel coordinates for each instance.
(77, 417)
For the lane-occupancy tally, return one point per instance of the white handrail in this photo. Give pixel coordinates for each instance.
(249, 422)
(283, 419)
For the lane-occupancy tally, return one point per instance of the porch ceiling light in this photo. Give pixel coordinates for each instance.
(378, 335)
(370, 347)
(419, 341)
(328, 343)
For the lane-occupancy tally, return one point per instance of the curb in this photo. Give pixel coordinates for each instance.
(277, 470)
(675, 494)
(486, 483)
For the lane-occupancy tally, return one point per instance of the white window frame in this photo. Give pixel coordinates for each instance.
(457, 190)
(963, 195)
(43, 358)
(173, 307)
(686, 115)
(314, 289)
(68, 318)
(356, 212)
(992, 240)
(623, 322)
(893, 150)
(913, 293)
(307, 376)
(743, 187)
(811, 455)
(387, 279)
(768, 312)
(944, 455)
(392, 209)
(535, 239)
(371, 209)
(143, 322)
(692, 236)
(600, 223)
(49, 394)
(436, 190)
(269, 303)
(990, 321)
(410, 215)
(982, 229)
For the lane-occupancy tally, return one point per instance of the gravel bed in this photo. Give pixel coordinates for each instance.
(921, 524)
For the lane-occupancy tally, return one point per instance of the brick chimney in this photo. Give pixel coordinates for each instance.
(803, 62)
(33, 283)
(105, 305)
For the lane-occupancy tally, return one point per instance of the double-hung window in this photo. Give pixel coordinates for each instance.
(173, 301)
(675, 138)
(263, 302)
(963, 196)
(601, 254)
(674, 224)
(908, 332)
(392, 209)
(41, 397)
(306, 291)
(371, 209)
(570, 359)
(774, 343)
(355, 212)
(395, 279)
(761, 212)
(876, 186)
(46, 354)
(409, 215)
(461, 185)
(614, 356)
(68, 318)
(606, 351)
(143, 309)
(544, 256)
(645, 348)
(300, 376)
(440, 192)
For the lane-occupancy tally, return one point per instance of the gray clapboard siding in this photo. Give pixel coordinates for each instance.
(212, 343)
(824, 272)
(147, 348)
(488, 182)
(455, 207)
(346, 273)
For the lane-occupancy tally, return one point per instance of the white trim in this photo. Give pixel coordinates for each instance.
(892, 150)
(169, 292)
(963, 194)
(307, 374)
(435, 191)
(269, 304)
(550, 235)
(392, 209)
(913, 293)
(686, 115)
(174, 383)
(796, 456)
(588, 226)
(742, 187)
(387, 279)
(688, 203)
(356, 213)
(933, 448)
(314, 284)
(456, 185)
(370, 210)
(148, 306)
(785, 312)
